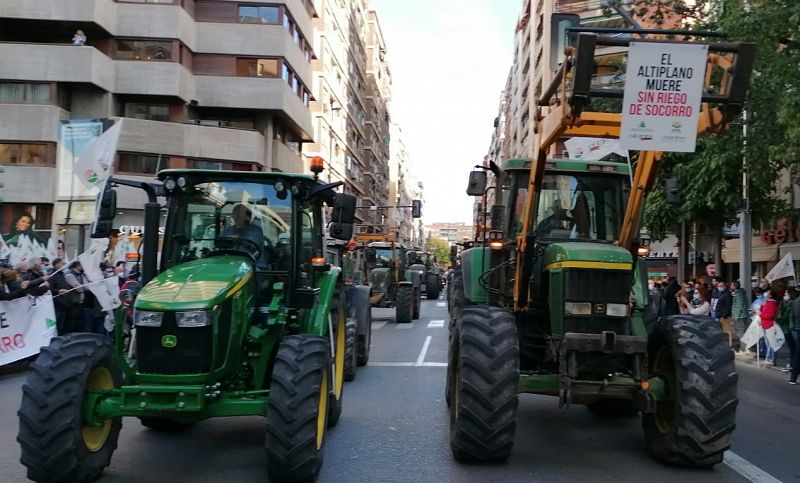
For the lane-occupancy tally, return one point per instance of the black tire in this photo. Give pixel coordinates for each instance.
(350, 360)
(458, 299)
(364, 341)
(483, 401)
(55, 447)
(452, 362)
(162, 425)
(404, 304)
(300, 381)
(417, 302)
(432, 287)
(694, 428)
(613, 408)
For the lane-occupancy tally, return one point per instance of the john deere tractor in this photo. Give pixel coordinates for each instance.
(243, 316)
(425, 262)
(555, 300)
(393, 282)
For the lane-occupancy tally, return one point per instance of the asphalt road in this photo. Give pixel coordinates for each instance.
(394, 428)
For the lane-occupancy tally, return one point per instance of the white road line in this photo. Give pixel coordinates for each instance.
(424, 350)
(436, 324)
(378, 325)
(407, 326)
(748, 469)
(434, 364)
(441, 304)
(407, 364)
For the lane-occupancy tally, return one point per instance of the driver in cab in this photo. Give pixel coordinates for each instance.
(244, 229)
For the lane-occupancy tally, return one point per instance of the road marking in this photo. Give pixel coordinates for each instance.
(748, 469)
(407, 364)
(409, 325)
(378, 325)
(436, 324)
(424, 350)
(441, 304)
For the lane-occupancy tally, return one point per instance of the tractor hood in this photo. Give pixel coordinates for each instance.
(199, 284)
(586, 255)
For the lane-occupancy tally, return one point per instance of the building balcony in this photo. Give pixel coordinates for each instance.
(100, 12)
(29, 184)
(285, 159)
(254, 93)
(192, 141)
(162, 22)
(56, 63)
(154, 78)
(30, 122)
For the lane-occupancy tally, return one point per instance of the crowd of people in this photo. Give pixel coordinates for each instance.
(76, 307)
(773, 304)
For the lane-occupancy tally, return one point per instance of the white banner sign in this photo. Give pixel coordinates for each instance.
(663, 90)
(26, 324)
(593, 149)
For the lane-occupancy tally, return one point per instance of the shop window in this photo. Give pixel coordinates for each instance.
(27, 154)
(24, 93)
(135, 163)
(152, 112)
(265, 15)
(144, 49)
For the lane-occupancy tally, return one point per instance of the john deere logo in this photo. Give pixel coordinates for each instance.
(91, 176)
(169, 341)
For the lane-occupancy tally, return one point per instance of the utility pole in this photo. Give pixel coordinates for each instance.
(682, 254)
(745, 229)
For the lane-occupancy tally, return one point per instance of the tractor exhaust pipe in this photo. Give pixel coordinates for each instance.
(152, 215)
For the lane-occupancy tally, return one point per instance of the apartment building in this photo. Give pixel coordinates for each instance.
(200, 83)
(453, 232)
(400, 188)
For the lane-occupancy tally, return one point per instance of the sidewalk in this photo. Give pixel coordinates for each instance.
(750, 358)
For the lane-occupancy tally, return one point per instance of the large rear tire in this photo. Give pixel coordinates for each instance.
(483, 401)
(362, 311)
(350, 359)
(432, 286)
(58, 444)
(404, 304)
(417, 297)
(298, 408)
(694, 427)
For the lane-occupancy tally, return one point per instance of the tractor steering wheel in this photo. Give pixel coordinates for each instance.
(228, 245)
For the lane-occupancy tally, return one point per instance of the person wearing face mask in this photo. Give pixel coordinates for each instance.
(768, 313)
(787, 323)
(697, 306)
(739, 312)
(723, 310)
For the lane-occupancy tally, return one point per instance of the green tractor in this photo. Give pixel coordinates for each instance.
(242, 316)
(393, 282)
(431, 274)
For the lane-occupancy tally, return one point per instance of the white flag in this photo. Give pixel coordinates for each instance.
(5, 252)
(91, 258)
(784, 268)
(107, 293)
(94, 165)
(592, 149)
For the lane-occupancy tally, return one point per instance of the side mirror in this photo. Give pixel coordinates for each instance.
(342, 231)
(416, 209)
(344, 208)
(477, 183)
(106, 210)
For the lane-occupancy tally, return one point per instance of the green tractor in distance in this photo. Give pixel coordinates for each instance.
(425, 263)
(244, 316)
(392, 282)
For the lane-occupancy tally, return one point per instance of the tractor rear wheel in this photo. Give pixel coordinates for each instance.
(162, 425)
(432, 286)
(298, 408)
(417, 302)
(483, 400)
(58, 444)
(362, 311)
(693, 426)
(404, 304)
(350, 359)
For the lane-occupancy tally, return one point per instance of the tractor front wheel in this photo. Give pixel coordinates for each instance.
(350, 358)
(417, 302)
(432, 287)
(298, 408)
(404, 304)
(483, 400)
(693, 422)
(58, 443)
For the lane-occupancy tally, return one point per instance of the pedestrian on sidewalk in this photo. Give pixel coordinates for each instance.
(739, 312)
(58, 288)
(769, 313)
(795, 336)
(786, 322)
(723, 310)
(697, 306)
(715, 281)
(75, 278)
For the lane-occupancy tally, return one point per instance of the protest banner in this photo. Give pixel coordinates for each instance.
(26, 324)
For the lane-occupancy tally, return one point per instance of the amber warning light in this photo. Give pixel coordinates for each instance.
(317, 164)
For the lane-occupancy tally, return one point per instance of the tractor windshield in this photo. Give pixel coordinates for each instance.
(581, 206)
(252, 218)
(383, 257)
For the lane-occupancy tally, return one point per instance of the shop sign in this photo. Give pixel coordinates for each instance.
(776, 237)
(131, 229)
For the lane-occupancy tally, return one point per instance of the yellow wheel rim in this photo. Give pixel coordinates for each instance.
(94, 437)
(340, 351)
(322, 414)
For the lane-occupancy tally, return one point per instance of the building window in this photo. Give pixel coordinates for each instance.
(22, 93)
(219, 165)
(152, 112)
(247, 67)
(135, 163)
(144, 50)
(266, 15)
(28, 154)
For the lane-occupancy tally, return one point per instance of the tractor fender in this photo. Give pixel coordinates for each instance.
(328, 284)
(473, 262)
(414, 277)
(359, 308)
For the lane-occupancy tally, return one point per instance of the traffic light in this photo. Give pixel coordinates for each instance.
(672, 190)
(416, 209)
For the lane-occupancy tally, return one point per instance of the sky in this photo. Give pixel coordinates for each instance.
(449, 60)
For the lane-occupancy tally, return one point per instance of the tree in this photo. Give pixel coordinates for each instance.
(440, 248)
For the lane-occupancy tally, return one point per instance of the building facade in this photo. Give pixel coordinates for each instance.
(453, 232)
(200, 84)
(400, 193)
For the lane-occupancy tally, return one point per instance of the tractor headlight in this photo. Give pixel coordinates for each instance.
(616, 310)
(148, 319)
(577, 308)
(193, 318)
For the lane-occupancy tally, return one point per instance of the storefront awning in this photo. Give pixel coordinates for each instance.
(767, 253)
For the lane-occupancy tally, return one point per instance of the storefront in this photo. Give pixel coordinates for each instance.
(765, 254)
